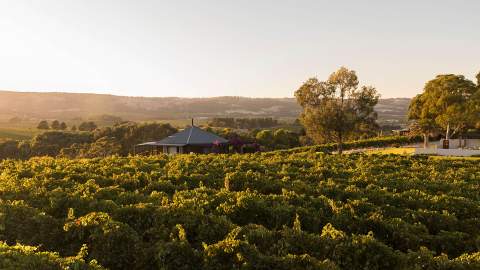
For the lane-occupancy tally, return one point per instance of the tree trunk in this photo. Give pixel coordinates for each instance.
(340, 147)
(425, 140)
(340, 144)
(447, 134)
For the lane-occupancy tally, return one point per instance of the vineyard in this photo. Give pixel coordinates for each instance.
(277, 210)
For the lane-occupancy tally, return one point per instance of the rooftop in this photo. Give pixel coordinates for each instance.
(190, 136)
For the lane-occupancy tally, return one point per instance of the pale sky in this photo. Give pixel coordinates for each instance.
(242, 48)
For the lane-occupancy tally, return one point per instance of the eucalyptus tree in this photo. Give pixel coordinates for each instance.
(448, 101)
(336, 109)
(423, 123)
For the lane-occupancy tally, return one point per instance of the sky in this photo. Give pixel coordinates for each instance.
(204, 48)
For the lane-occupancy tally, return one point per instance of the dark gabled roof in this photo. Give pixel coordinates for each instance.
(190, 136)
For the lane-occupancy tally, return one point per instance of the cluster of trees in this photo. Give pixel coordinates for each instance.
(449, 103)
(338, 109)
(56, 125)
(87, 126)
(49, 143)
(117, 140)
(266, 139)
(244, 123)
(304, 210)
(120, 139)
(278, 139)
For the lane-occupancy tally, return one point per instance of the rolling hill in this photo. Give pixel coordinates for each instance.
(70, 106)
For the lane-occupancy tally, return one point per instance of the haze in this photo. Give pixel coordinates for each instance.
(225, 48)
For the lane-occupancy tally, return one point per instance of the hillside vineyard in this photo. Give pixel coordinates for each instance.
(259, 211)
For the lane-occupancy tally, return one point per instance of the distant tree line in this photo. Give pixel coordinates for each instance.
(118, 139)
(57, 125)
(88, 141)
(244, 123)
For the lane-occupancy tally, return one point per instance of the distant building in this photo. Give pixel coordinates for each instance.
(401, 132)
(190, 140)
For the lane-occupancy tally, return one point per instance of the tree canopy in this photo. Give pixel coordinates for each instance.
(55, 125)
(337, 109)
(63, 126)
(43, 125)
(424, 123)
(87, 126)
(449, 102)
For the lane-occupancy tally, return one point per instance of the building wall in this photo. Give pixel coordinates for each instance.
(454, 143)
(447, 152)
(173, 150)
(198, 149)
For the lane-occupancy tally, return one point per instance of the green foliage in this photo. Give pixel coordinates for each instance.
(448, 101)
(265, 138)
(129, 134)
(276, 210)
(87, 126)
(63, 126)
(26, 257)
(50, 143)
(112, 243)
(359, 144)
(337, 109)
(55, 125)
(15, 149)
(278, 139)
(117, 140)
(43, 125)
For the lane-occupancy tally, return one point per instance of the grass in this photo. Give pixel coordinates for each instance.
(10, 133)
(392, 150)
(411, 150)
(454, 158)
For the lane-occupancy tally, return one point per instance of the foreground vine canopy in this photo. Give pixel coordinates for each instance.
(278, 210)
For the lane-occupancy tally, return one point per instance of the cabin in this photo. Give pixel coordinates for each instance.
(190, 140)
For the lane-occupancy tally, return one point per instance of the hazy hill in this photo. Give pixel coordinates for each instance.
(66, 106)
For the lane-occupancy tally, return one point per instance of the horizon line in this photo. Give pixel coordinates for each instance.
(180, 97)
